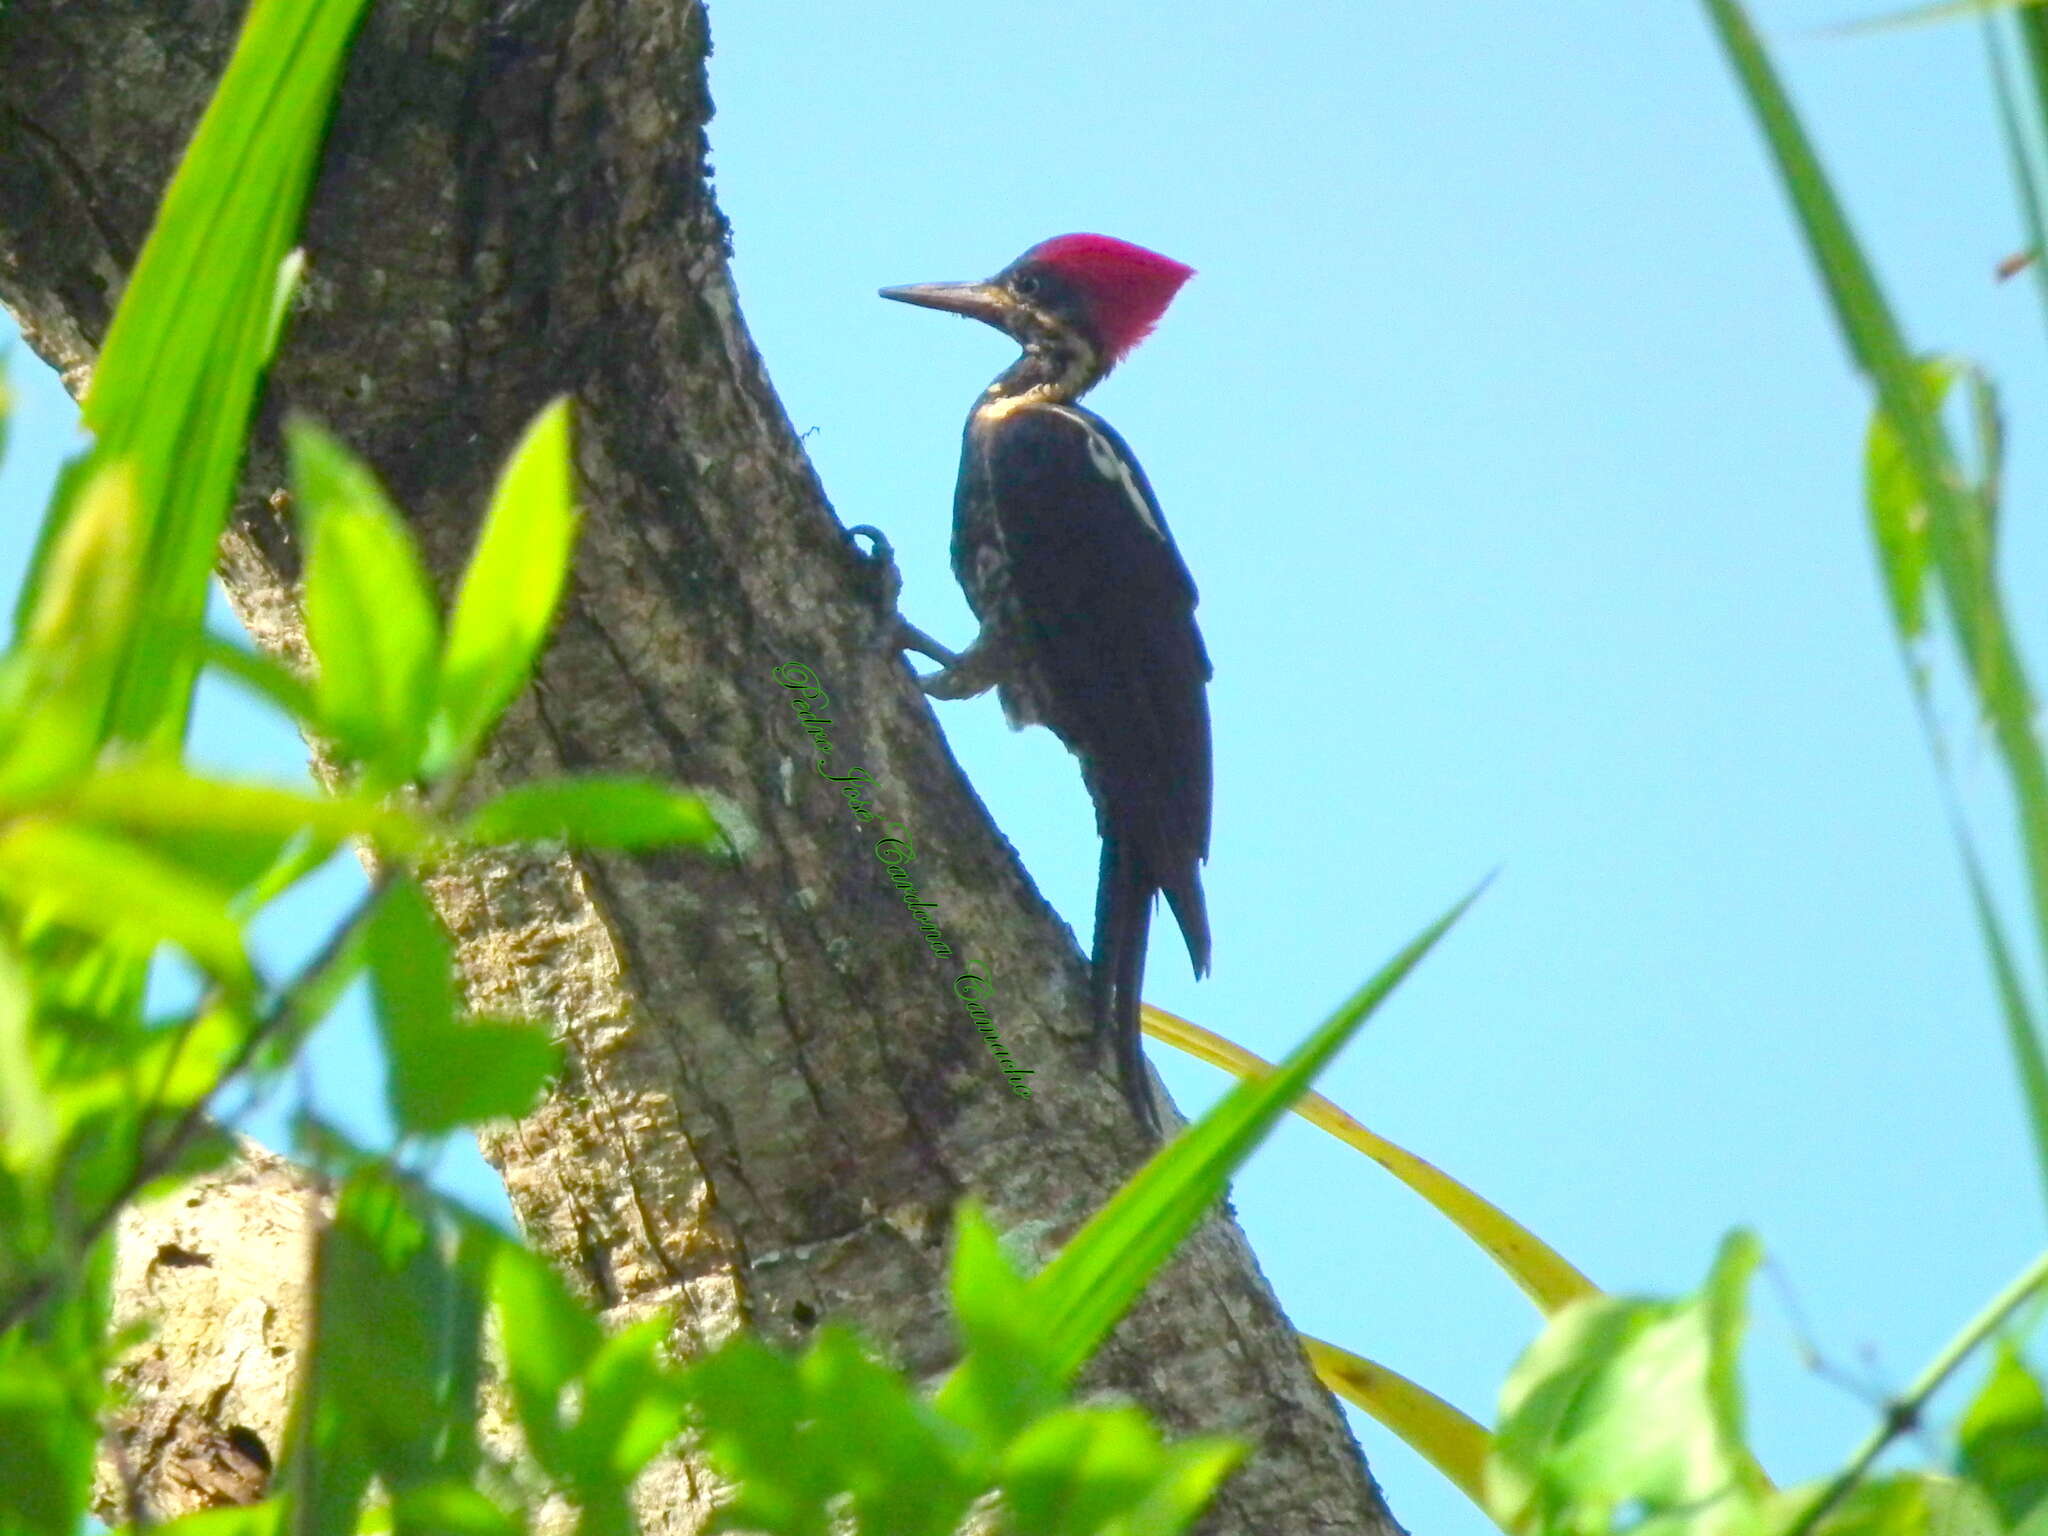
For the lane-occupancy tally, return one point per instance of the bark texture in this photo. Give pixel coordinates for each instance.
(773, 1097)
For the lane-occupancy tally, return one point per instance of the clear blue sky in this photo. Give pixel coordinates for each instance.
(1517, 460)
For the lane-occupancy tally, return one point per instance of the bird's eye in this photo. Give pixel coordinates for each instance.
(1027, 284)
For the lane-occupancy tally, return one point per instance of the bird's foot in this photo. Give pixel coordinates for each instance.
(894, 632)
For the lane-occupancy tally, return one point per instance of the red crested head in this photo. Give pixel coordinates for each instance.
(1125, 287)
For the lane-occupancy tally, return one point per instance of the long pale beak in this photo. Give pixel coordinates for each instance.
(982, 301)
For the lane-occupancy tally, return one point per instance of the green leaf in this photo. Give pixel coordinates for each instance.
(2003, 1438)
(77, 619)
(1959, 520)
(889, 1451)
(1938, 11)
(1074, 1471)
(29, 1131)
(240, 1520)
(231, 831)
(382, 1289)
(369, 609)
(596, 813)
(631, 1406)
(1910, 1504)
(548, 1341)
(750, 1409)
(509, 592)
(47, 1471)
(1624, 1401)
(447, 1507)
(177, 377)
(114, 888)
(1898, 512)
(1008, 1375)
(444, 1073)
(1108, 1263)
(1185, 1485)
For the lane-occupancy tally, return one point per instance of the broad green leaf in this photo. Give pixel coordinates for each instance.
(369, 609)
(485, 1069)
(1075, 1470)
(85, 593)
(507, 600)
(631, 1406)
(1008, 1375)
(1910, 1504)
(240, 1520)
(2003, 1438)
(596, 813)
(112, 887)
(1624, 1401)
(177, 377)
(444, 1072)
(382, 1288)
(891, 1453)
(1192, 1472)
(750, 1409)
(75, 628)
(51, 1388)
(449, 1507)
(1109, 1261)
(29, 1131)
(47, 1471)
(228, 830)
(548, 1339)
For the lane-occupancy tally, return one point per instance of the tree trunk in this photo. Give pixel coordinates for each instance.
(773, 1096)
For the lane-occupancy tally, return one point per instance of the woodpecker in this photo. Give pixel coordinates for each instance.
(1087, 611)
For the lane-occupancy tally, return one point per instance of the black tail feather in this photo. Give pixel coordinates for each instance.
(1123, 917)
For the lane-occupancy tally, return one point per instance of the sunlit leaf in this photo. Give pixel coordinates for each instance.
(110, 886)
(509, 591)
(1007, 1375)
(369, 608)
(177, 377)
(1110, 1260)
(596, 813)
(2003, 1438)
(1624, 1401)
(445, 1072)
(1545, 1275)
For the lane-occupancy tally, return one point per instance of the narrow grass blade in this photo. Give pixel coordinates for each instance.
(2023, 151)
(1928, 15)
(1960, 525)
(1544, 1275)
(1109, 1261)
(2022, 1030)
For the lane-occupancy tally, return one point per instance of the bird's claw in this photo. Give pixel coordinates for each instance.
(894, 633)
(880, 562)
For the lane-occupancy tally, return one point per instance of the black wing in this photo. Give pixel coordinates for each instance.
(1106, 614)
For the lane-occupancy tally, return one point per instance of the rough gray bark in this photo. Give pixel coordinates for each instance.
(773, 1099)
